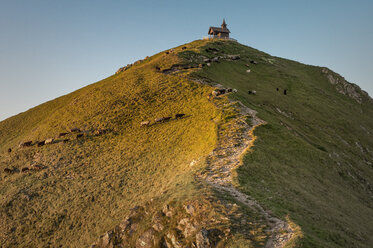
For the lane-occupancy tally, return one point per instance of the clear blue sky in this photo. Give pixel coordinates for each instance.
(50, 48)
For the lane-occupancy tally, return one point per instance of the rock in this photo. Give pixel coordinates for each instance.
(158, 227)
(157, 217)
(206, 60)
(125, 225)
(187, 227)
(208, 64)
(342, 86)
(189, 209)
(175, 243)
(137, 62)
(49, 141)
(167, 210)
(106, 238)
(202, 239)
(146, 240)
(248, 71)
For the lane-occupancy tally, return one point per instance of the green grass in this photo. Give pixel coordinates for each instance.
(306, 164)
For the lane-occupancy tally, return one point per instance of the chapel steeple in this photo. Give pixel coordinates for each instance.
(224, 25)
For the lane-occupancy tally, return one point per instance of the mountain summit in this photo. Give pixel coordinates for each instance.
(209, 144)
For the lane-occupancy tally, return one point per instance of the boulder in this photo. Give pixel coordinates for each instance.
(49, 141)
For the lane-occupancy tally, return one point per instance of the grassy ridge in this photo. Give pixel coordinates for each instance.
(89, 184)
(312, 161)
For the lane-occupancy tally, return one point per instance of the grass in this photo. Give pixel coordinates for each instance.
(309, 164)
(89, 184)
(304, 164)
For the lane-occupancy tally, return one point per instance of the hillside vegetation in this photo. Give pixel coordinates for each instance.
(312, 161)
(310, 166)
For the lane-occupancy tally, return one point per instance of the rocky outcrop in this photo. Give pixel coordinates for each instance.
(342, 86)
(124, 68)
(188, 225)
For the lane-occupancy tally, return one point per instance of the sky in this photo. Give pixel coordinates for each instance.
(49, 48)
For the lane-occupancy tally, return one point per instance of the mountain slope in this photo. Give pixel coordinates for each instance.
(313, 159)
(308, 172)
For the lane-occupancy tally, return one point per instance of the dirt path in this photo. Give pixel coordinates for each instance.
(228, 156)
